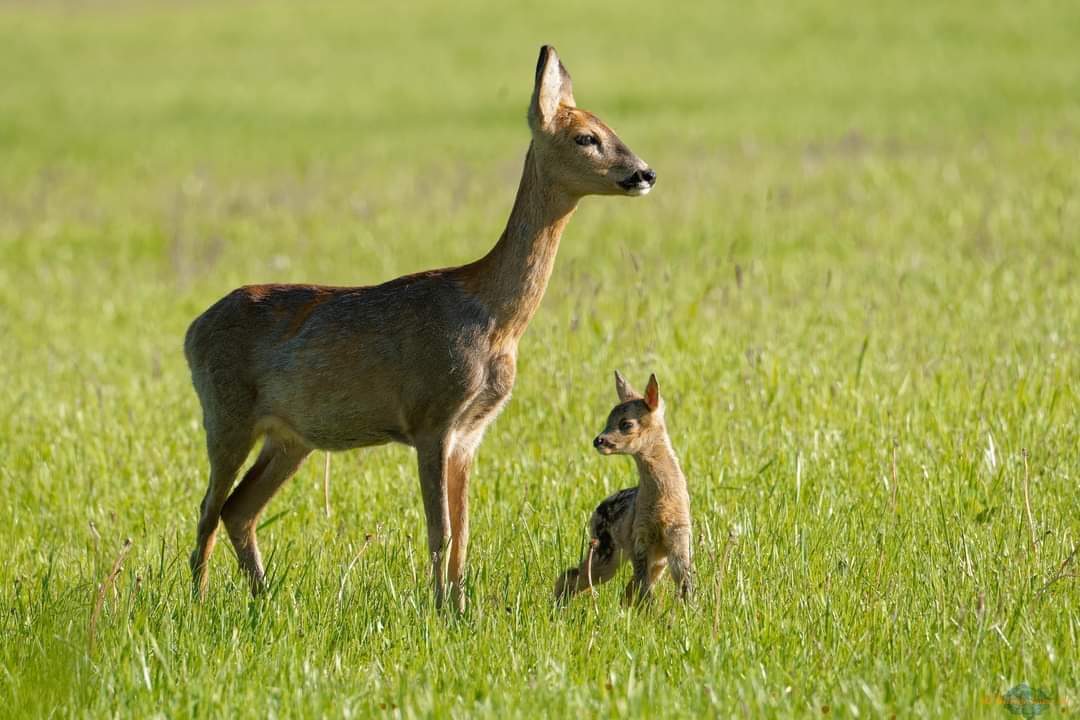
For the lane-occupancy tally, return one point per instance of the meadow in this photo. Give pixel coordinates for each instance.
(856, 279)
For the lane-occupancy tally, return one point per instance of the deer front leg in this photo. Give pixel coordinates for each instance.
(458, 468)
(637, 590)
(431, 457)
(679, 560)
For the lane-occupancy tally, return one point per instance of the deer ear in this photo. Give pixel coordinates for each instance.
(566, 86)
(652, 393)
(623, 389)
(553, 88)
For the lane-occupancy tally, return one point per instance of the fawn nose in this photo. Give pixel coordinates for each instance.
(598, 442)
(648, 176)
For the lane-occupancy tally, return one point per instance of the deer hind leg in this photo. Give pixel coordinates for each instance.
(606, 561)
(457, 475)
(433, 464)
(278, 460)
(226, 453)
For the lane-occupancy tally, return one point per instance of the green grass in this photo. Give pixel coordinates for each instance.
(863, 245)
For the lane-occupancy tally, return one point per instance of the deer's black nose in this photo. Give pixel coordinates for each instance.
(598, 442)
(648, 176)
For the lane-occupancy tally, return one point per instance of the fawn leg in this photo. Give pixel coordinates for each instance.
(649, 564)
(458, 468)
(637, 590)
(277, 462)
(606, 561)
(225, 461)
(431, 457)
(682, 569)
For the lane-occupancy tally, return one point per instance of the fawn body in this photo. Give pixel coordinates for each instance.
(427, 359)
(649, 524)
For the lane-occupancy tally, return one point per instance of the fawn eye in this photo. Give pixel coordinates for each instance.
(587, 140)
(626, 426)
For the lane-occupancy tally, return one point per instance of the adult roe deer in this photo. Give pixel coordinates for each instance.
(427, 359)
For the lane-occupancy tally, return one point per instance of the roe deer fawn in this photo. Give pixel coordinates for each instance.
(648, 524)
(427, 359)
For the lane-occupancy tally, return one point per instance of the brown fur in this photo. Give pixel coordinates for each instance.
(648, 525)
(427, 359)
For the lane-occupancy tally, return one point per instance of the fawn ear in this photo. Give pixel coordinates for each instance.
(553, 88)
(623, 389)
(652, 393)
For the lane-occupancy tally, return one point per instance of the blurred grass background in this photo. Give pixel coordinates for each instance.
(863, 246)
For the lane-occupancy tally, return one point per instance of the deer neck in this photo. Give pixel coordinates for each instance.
(658, 468)
(511, 279)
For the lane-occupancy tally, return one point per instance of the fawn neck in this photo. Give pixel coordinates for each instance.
(658, 467)
(511, 279)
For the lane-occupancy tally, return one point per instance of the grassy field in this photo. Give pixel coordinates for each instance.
(857, 281)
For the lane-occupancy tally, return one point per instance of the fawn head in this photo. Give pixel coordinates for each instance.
(574, 147)
(635, 423)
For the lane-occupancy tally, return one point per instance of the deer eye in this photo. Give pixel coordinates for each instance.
(587, 140)
(626, 426)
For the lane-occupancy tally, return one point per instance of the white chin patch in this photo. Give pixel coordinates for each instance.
(639, 190)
